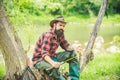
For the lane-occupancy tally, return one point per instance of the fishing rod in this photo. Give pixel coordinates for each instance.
(63, 62)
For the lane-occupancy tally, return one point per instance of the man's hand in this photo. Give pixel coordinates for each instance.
(56, 64)
(78, 49)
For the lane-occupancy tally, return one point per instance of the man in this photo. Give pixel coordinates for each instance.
(45, 55)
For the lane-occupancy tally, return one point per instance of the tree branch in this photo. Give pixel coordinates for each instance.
(88, 51)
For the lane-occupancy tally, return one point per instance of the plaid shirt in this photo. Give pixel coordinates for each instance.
(47, 45)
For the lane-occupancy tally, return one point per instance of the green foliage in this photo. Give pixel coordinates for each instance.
(57, 7)
(29, 7)
(25, 6)
(20, 10)
(116, 38)
(114, 6)
(95, 8)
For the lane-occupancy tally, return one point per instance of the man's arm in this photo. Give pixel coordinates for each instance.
(53, 63)
(72, 47)
(75, 47)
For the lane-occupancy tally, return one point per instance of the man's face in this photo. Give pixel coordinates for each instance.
(59, 28)
(60, 25)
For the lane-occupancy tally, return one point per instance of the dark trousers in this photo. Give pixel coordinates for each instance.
(62, 56)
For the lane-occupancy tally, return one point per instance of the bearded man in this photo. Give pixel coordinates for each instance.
(45, 55)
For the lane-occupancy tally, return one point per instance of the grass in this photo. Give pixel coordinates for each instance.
(2, 70)
(103, 67)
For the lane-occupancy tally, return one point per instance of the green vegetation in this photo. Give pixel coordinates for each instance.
(20, 11)
(103, 67)
(2, 70)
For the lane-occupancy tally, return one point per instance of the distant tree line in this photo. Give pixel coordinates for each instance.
(58, 7)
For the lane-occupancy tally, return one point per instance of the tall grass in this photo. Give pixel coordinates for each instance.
(103, 67)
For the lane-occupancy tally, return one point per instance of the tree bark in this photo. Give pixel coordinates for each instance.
(88, 51)
(13, 52)
(10, 45)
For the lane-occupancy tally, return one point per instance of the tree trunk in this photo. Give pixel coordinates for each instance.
(13, 52)
(88, 51)
(10, 45)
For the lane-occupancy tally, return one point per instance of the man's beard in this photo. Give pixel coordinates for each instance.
(59, 32)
